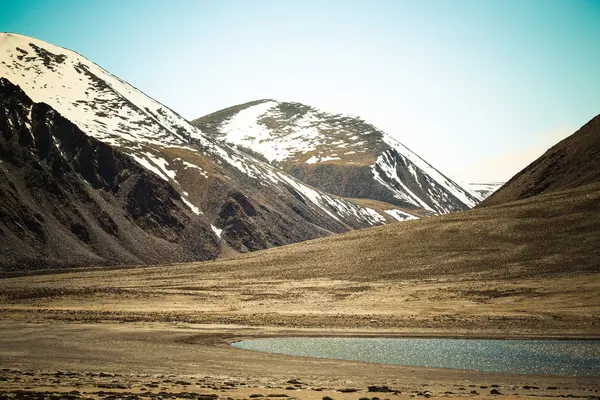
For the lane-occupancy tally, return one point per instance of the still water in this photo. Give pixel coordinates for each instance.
(555, 357)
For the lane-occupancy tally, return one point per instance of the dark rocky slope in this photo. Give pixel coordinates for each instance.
(67, 199)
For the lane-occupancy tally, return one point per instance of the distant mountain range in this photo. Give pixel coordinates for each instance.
(339, 154)
(166, 191)
(485, 190)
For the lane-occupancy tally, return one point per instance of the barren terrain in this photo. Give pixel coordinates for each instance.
(526, 269)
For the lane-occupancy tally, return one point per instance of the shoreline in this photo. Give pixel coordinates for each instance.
(396, 335)
(222, 337)
(146, 360)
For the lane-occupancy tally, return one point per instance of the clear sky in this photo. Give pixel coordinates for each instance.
(479, 88)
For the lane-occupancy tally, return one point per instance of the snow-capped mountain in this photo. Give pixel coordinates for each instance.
(338, 154)
(485, 190)
(235, 200)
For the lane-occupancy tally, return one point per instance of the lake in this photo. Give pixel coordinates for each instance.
(555, 357)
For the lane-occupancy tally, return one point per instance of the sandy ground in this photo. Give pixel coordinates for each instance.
(561, 305)
(146, 358)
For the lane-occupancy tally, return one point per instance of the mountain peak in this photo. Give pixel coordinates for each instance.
(107, 107)
(306, 141)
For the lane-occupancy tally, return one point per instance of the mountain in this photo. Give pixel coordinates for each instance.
(96, 172)
(67, 199)
(339, 154)
(573, 162)
(485, 190)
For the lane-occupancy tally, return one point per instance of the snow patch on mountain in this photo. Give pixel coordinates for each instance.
(400, 215)
(192, 166)
(144, 162)
(318, 159)
(385, 171)
(216, 230)
(244, 129)
(192, 207)
(162, 164)
(485, 190)
(466, 197)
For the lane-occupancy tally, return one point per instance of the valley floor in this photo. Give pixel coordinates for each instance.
(527, 269)
(129, 360)
(157, 331)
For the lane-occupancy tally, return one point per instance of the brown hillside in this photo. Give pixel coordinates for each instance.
(554, 233)
(573, 162)
(557, 232)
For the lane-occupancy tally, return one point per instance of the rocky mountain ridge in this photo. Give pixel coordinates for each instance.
(67, 199)
(237, 202)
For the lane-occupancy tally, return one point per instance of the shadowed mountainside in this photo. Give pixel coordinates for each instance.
(67, 199)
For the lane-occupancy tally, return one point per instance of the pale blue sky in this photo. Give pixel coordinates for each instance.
(478, 88)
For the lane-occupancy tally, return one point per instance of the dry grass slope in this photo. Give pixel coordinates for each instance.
(573, 162)
(556, 233)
